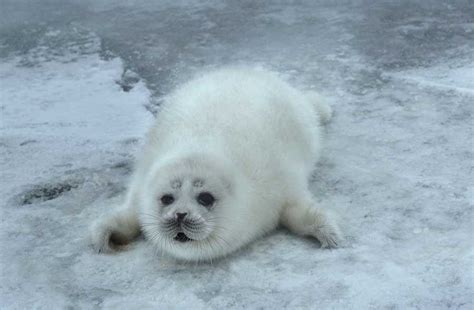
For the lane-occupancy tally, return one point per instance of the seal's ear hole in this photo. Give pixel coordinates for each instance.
(118, 240)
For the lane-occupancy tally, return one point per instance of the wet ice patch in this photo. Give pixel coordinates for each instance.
(35, 45)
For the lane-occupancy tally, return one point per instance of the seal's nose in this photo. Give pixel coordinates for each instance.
(180, 216)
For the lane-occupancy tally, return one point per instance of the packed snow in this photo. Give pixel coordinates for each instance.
(81, 81)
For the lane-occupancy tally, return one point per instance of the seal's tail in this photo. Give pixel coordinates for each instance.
(322, 108)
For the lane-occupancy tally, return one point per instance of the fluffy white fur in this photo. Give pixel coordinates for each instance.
(243, 135)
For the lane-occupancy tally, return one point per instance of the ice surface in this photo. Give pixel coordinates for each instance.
(78, 80)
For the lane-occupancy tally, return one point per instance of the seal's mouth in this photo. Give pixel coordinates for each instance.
(181, 237)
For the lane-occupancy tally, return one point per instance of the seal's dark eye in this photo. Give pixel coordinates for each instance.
(206, 199)
(167, 199)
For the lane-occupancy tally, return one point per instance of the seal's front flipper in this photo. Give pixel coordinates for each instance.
(115, 231)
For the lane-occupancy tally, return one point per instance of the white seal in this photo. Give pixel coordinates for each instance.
(228, 159)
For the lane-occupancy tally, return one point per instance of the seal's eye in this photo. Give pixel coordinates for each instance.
(206, 199)
(167, 199)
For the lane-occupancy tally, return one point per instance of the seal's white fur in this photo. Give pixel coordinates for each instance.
(253, 140)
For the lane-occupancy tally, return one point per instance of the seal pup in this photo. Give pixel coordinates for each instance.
(228, 159)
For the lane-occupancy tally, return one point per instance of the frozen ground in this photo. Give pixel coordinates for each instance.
(80, 80)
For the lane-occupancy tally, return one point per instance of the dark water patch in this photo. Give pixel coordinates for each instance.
(46, 192)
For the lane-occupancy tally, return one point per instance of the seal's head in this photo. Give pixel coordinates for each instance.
(186, 204)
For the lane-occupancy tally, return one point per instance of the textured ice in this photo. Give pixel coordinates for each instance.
(80, 80)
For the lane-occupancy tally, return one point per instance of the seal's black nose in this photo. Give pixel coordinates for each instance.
(180, 216)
